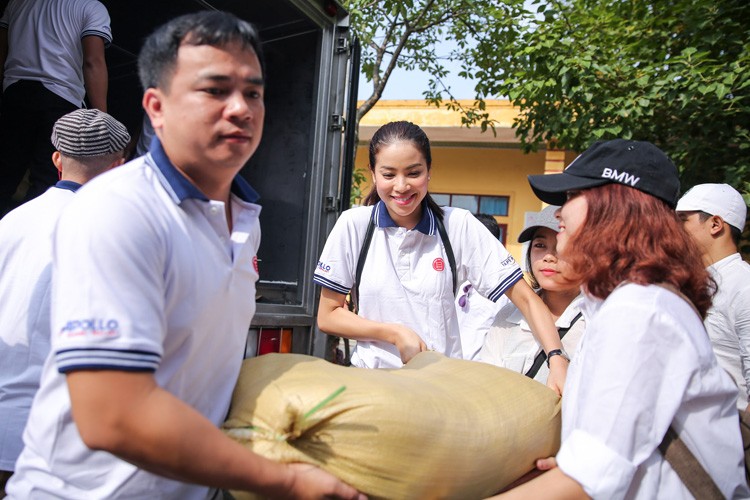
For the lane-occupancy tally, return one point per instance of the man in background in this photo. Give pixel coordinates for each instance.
(51, 61)
(714, 215)
(87, 143)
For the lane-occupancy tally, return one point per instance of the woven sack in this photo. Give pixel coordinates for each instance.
(436, 428)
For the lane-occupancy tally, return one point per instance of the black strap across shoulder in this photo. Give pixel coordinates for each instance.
(361, 261)
(448, 250)
(366, 247)
(354, 292)
(542, 356)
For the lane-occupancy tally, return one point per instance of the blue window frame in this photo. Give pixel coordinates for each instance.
(476, 204)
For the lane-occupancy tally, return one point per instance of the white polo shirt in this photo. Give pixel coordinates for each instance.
(728, 320)
(147, 277)
(510, 344)
(45, 45)
(25, 288)
(644, 363)
(407, 279)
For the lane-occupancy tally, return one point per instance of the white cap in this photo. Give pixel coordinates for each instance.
(534, 220)
(716, 199)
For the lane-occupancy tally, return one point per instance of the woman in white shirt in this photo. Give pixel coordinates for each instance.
(509, 342)
(407, 285)
(645, 363)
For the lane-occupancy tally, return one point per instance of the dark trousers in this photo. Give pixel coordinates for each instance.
(27, 114)
(4, 476)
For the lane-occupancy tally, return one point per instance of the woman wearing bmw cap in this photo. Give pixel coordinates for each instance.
(645, 363)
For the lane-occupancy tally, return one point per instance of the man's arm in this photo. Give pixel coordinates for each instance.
(95, 76)
(129, 415)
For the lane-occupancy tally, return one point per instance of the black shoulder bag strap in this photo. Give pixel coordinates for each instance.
(448, 251)
(366, 246)
(354, 291)
(542, 356)
(361, 263)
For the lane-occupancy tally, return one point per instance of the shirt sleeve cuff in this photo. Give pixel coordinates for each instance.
(597, 468)
(330, 284)
(69, 360)
(509, 281)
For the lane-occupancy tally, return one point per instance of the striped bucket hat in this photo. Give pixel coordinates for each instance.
(89, 132)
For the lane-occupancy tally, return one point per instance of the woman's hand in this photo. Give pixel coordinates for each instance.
(334, 318)
(542, 465)
(546, 463)
(408, 343)
(311, 482)
(558, 371)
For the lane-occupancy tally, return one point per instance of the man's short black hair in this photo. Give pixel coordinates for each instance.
(490, 223)
(158, 56)
(736, 233)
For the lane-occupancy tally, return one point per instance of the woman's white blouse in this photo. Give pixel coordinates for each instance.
(645, 363)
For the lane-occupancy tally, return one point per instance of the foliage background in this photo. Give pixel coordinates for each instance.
(673, 72)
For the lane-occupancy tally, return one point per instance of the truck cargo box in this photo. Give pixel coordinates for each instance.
(298, 167)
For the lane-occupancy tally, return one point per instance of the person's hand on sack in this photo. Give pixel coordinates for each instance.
(408, 343)
(311, 483)
(558, 371)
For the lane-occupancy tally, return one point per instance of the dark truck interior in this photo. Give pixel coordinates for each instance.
(298, 165)
(280, 169)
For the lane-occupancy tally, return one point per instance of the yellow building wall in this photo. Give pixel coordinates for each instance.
(419, 112)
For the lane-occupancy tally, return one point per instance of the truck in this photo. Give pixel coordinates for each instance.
(302, 168)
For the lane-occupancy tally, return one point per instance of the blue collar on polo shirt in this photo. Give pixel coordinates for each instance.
(425, 225)
(69, 185)
(183, 188)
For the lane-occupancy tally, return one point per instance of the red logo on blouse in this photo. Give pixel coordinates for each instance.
(255, 263)
(438, 264)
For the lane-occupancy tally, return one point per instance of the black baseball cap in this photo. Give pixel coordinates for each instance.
(637, 164)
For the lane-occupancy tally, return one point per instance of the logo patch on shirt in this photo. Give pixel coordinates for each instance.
(509, 260)
(93, 328)
(324, 267)
(438, 264)
(255, 264)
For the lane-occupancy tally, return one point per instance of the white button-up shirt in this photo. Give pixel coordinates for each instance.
(25, 289)
(728, 320)
(644, 363)
(510, 343)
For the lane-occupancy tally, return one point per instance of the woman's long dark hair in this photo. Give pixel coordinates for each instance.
(394, 132)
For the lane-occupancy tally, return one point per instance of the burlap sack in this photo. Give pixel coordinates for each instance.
(437, 428)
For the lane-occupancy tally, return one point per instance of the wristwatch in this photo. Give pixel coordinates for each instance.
(557, 352)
